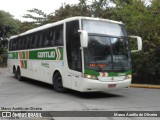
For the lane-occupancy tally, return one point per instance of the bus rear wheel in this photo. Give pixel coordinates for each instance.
(15, 74)
(19, 77)
(57, 83)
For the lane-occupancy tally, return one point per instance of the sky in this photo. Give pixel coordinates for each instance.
(18, 8)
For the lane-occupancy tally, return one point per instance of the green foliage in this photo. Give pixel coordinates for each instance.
(143, 21)
(39, 18)
(8, 25)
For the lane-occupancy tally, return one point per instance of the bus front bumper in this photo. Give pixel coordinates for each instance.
(89, 85)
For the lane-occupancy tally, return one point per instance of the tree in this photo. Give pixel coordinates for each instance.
(8, 26)
(81, 9)
(99, 7)
(143, 21)
(39, 18)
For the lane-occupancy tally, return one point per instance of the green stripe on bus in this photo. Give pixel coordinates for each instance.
(23, 55)
(91, 72)
(110, 74)
(61, 52)
(48, 54)
(25, 64)
(12, 55)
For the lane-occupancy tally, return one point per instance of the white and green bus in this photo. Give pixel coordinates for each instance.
(79, 53)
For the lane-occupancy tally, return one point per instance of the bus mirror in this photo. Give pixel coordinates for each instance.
(139, 43)
(84, 38)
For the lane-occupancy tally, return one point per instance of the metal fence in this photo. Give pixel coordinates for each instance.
(143, 78)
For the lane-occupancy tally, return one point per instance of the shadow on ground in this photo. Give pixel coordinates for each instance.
(84, 95)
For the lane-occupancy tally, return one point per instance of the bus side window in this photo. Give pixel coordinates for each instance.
(19, 44)
(33, 40)
(22, 43)
(46, 39)
(36, 41)
(10, 45)
(25, 42)
(59, 35)
(14, 44)
(40, 40)
(51, 38)
(73, 46)
(43, 39)
(28, 42)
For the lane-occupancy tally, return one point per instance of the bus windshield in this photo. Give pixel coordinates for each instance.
(108, 48)
(107, 54)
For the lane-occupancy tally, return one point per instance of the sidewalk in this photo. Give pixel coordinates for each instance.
(145, 86)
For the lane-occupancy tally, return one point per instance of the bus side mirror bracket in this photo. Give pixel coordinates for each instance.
(83, 38)
(139, 43)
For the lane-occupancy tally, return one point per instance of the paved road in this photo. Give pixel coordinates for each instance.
(30, 93)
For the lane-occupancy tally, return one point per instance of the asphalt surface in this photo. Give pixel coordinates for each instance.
(30, 93)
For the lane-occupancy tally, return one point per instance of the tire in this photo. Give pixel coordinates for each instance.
(15, 72)
(19, 77)
(57, 83)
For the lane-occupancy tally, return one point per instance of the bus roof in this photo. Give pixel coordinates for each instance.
(60, 22)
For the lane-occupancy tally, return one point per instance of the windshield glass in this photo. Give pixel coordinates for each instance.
(105, 53)
(104, 27)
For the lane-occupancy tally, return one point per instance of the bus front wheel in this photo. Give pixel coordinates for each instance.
(57, 83)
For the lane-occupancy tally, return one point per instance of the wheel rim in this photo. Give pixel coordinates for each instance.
(59, 82)
(18, 75)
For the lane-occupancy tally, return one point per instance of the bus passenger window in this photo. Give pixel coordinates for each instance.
(25, 42)
(10, 45)
(46, 41)
(14, 44)
(34, 41)
(59, 36)
(28, 43)
(51, 38)
(40, 41)
(19, 44)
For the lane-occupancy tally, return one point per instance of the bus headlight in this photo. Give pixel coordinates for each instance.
(90, 76)
(128, 76)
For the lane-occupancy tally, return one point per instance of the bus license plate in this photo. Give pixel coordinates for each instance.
(111, 85)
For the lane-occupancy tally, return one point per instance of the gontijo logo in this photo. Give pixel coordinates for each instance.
(46, 54)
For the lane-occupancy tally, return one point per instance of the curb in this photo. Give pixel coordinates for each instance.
(145, 86)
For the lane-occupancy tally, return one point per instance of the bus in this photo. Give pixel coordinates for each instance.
(80, 53)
